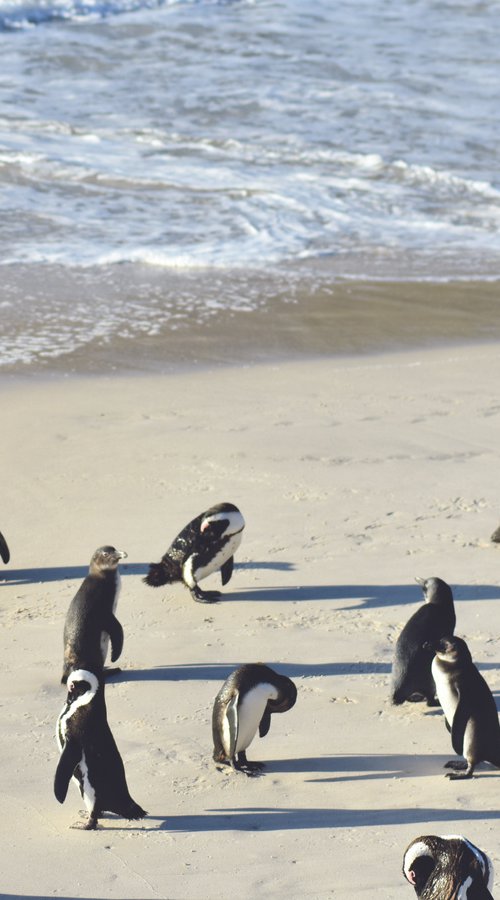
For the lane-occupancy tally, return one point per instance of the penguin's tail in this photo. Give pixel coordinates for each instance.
(158, 574)
(134, 811)
(398, 697)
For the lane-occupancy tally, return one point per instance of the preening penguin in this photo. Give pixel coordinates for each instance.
(411, 668)
(4, 550)
(205, 545)
(468, 705)
(448, 867)
(245, 703)
(90, 621)
(89, 753)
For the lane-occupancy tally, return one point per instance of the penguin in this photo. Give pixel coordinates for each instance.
(205, 545)
(411, 668)
(89, 753)
(245, 703)
(90, 620)
(495, 537)
(468, 705)
(4, 550)
(447, 867)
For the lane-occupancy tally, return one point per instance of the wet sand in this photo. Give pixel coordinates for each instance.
(148, 320)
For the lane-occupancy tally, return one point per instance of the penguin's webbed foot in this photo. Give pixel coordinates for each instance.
(433, 701)
(204, 596)
(456, 776)
(252, 769)
(89, 825)
(462, 769)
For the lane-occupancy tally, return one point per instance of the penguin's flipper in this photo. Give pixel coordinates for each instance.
(265, 722)
(227, 570)
(69, 759)
(115, 632)
(459, 724)
(4, 550)
(232, 721)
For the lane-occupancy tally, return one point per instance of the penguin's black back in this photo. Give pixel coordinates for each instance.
(412, 663)
(169, 569)
(87, 617)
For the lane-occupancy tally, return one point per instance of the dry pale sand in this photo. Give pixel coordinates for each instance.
(354, 476)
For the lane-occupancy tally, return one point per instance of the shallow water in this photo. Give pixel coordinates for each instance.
(359, 139)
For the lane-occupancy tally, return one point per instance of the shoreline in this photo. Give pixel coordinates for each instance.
(304, 315)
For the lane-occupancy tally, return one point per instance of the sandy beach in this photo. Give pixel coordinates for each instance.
(355, 475)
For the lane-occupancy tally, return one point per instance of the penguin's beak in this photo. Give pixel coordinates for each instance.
(120, 554)
(421, 581)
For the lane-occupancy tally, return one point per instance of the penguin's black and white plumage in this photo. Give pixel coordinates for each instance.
(4, 550)
(89, 753)
(205, 545)
(90, 621)
(448, 868)
(468, 705)
(411, 668)
(245, 703)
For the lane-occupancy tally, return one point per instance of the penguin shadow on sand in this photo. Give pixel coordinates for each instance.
(219, 672)
(61, 573)
(265, 818)
(367, 596)
(360, 768)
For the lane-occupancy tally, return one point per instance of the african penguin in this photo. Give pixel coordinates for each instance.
(244, 704)
(204, 546)
(411, 669)
(495, 537)
(4, 550)
(90, 621)
(448, 868)
(469, 707)
(89, 753)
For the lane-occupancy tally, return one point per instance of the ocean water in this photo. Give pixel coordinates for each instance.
(187, 139)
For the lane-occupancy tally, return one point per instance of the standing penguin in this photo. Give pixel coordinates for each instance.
(204, 546)
(468, 705)
(244, 703)
(411, 668)
(90, 621)
(4, 550)
(89, 753)
(448, 867)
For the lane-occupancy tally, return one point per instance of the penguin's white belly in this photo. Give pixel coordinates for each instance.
(468, 746)
(220, 558)
(104, 645)
(446, 695)
(86, 789)
(250, 712)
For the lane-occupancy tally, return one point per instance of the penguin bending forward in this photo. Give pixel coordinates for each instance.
(468, 705)
(411, 669)
(448, 867)
(4, 550)
(245, 703)
(90, 621)
(204, 546)
(89, 753)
